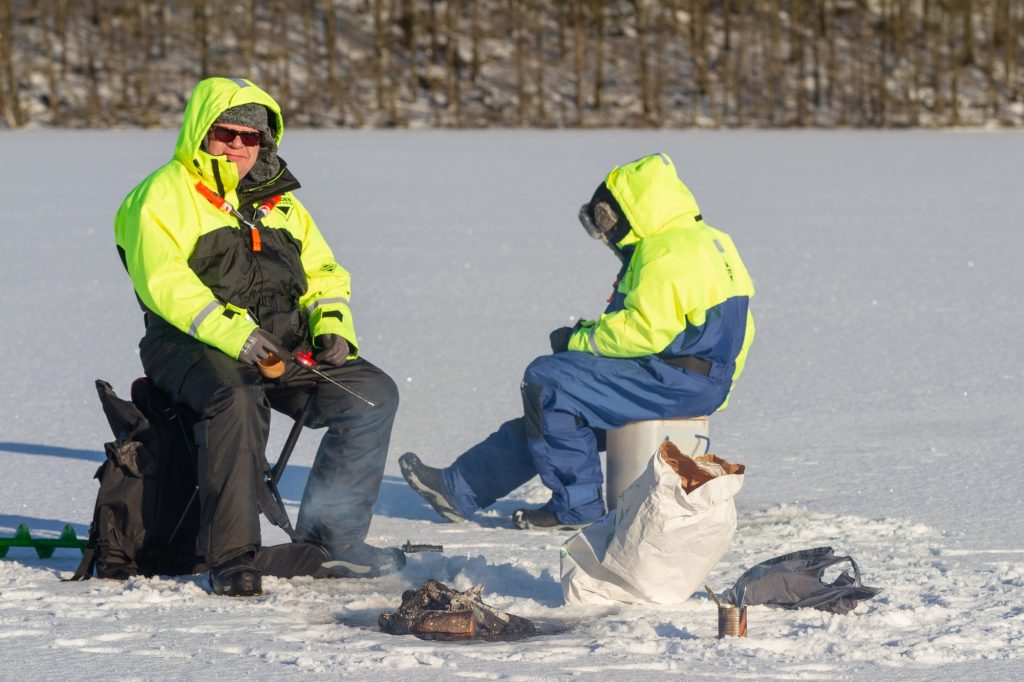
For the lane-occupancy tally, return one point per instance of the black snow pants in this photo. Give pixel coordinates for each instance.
(232, 402)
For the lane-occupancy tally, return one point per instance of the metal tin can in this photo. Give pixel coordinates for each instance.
(732, 621)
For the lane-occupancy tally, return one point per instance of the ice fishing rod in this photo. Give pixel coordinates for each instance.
(269, 369)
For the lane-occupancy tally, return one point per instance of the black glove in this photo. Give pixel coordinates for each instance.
(334, 349)
(259, 346)
(560, 338)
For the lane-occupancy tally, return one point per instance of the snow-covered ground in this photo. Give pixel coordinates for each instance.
(881, 412)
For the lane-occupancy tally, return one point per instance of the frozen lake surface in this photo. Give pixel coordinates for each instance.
(881, 411)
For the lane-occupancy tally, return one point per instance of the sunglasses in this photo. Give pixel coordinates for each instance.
(227, 136)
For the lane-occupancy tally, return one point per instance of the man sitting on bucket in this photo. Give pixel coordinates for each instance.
(670, 344)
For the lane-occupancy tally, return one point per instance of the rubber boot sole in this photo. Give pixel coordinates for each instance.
(435, 499)
(521, 520)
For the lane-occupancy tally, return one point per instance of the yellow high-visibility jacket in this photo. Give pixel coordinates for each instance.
(199, 269)
(685, 290)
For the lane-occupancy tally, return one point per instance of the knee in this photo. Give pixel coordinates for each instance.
(236, 401)
(376, 398)
(385, 393)
(533, 392)
(539, 371)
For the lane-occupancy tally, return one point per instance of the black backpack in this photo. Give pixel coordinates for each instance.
(146, 517)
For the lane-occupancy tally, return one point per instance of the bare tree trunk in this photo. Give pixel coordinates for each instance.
(884, 50)
(451, 59)
(578, 48)
(744, 28)
(725, 68)
(597, 9)
(698, 54)
(411, 29)
(901, 40)
(776, 73)
(9, 100)
(378, 53)
(935, 40)
(817, 38)
(538, 28)
(144, 77)
(93, 104)
(1011, 52)
(249, 34)
(476, 35)
(953, 69)
(516, 32)
(966, 8)
(433, 26)
(55, 57)
(643, 78)
(992, 28)
(200, 24)
(832, 95)
(330, 56)
(282, 51)
(914, 43)
(798, 17)
(383, 88)
(758, 64)
(658, 80)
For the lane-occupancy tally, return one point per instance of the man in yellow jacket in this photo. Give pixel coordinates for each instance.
(230, 270)
(671, 342)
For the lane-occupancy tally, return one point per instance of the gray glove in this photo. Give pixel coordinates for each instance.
(259, 346)
(334, 349)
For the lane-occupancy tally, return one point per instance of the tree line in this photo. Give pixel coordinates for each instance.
(555, 63)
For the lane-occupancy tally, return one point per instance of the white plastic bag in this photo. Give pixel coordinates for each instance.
(662, 541)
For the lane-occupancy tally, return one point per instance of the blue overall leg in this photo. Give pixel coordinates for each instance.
(569, 401)
(567, 396)
(490, 469)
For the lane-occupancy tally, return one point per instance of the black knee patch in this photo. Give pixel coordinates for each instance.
(532, 410)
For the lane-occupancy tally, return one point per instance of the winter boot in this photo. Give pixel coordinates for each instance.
(237, 577)
(429, 483)
(541, 519)
(360, 560)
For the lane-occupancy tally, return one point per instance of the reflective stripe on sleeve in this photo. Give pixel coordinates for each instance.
(324, 301)
(593, 344)
(203, 314)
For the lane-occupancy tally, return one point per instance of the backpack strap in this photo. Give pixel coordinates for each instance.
(88, 563)
(87, 566)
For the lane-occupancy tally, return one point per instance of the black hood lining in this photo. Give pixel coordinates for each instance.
(622, 226)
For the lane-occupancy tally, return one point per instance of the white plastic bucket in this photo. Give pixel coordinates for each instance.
(629, 449)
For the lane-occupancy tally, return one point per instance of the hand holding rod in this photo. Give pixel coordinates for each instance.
(306, 361)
